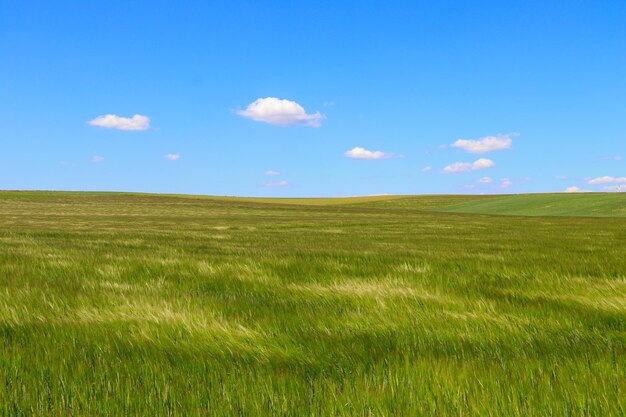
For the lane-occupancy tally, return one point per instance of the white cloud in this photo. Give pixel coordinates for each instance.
(561, 177)
(620, 187)
(279, 112)
(505, 183)
(458, 167)
(274, 184)
(271, 173)
(172, 156)
(97, 158)
(607, 180)
(618, 157)
(482, 163)
(362, 153)
(427, 169)
(112, 121)
(486, 144)
(572, 189)
(485, 180)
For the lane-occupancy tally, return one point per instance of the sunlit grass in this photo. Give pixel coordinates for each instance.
(121, 304)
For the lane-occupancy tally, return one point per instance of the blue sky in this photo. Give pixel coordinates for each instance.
(325, 98)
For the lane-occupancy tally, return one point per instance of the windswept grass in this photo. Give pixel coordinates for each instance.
(121, 304)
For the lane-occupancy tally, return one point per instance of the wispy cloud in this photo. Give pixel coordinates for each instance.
(427, 169)
(459, 167)
(362, 153)
(485, 180)
(97, 158)
(607, 180)
(619, 187)
(280, 112)
(505, 183)
(274, 184)
(172, 156)
(112, 121)
(271, 173)
(486, 144)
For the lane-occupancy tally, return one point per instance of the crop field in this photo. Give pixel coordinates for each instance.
(115, 304)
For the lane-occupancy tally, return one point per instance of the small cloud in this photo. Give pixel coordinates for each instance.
(505, 183)
(617, 157)
(485, 180)
(329, 103)
(172, 156)
(561, 177)
(618, 188)
(572, 189)
(280, 112)
(97, 158)
(362, 153)
(607, 180)
(271, 173)
(427, 169)
(274, 184)
(112, 121)
(486, 144)
(458, 167)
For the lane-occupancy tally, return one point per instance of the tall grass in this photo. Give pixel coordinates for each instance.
(114, 304)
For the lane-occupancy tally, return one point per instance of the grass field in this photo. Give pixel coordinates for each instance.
(133, 304)
(576, 204)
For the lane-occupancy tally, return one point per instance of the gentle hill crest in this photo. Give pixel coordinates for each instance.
(545, 204)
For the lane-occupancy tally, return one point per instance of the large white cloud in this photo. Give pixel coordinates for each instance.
(112, 121)
(362, 153)
(280, 112)
(486, 144)
(458, 167)
(607, 180)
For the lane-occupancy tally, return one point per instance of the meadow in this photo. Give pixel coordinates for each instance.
(120, 304)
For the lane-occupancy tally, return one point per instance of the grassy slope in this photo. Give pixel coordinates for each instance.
(118, 304)
(581, 204)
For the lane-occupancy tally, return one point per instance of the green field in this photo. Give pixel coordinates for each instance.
(162, 305)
